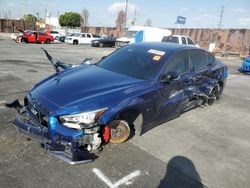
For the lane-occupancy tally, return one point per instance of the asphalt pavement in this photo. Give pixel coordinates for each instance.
(205, 147)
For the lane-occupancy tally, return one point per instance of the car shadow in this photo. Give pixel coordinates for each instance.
(181, 172)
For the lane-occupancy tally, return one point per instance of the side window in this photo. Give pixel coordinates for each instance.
(183, 40)
(190, 42)
(88, 36)
(83, 35)
(210, 58)
(179, 63)
(199, 59)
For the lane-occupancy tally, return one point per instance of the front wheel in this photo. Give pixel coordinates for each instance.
(75, 42)
(119, 131)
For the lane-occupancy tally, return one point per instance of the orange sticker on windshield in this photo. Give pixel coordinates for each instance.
(156, 57)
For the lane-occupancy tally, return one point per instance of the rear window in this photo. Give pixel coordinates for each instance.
(190, 42)
(172, 39)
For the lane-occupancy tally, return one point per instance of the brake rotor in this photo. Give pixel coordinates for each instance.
(119, 131)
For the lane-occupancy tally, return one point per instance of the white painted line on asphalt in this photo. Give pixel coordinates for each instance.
(247, 99)
(125, 180)
(104, 178)
(2, 102)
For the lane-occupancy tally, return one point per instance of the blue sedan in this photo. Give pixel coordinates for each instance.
(78, 110)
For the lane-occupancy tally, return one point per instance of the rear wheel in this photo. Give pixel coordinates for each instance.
(25, 40)
(47, 41)
(101, 45)
(119, 131)
(214, 94)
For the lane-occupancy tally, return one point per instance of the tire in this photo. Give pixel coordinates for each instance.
(25, 40)
(214, 94)
(75, 42)
(101, 45)
(119, 131)
(47, 41)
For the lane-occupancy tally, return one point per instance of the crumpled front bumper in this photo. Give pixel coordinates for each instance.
(62, 146)
(31, 130)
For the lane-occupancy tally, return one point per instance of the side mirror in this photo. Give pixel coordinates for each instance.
(168, 77)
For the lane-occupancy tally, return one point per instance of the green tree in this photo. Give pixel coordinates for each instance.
(29, 18)
(70, 19)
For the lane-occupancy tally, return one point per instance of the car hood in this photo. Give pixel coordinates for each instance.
(81, 86)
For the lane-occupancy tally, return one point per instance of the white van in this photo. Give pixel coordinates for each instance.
(142, 34)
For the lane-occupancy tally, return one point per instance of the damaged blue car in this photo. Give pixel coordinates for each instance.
(79, 109)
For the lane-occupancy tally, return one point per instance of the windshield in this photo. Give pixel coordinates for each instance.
(135, 61)
(130, 34)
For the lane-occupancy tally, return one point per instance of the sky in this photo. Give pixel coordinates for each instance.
(162, 13)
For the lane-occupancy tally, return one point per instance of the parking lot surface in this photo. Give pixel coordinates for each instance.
(205, 147)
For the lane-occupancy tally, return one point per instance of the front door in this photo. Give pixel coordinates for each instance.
(172, 96)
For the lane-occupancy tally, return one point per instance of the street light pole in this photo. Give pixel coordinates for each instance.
(126, 11)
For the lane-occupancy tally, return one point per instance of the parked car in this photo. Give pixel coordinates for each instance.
(245, 68)
(179, 39)
(14, 36)
(53, 33)
(36, 37)
(81, 38)
(61, 38)
(104, 41)
(78, 109)
(142, 34)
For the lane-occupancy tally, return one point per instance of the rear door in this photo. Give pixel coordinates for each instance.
(201, 68)
(173, 95)
(42, 37)
(89, 38)
(82, 38)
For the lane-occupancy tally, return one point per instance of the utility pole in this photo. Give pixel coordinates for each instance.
(221, 16)
(134, 21)
(126, 12)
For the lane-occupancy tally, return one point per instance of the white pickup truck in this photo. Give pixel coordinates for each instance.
(81, 38)
(179, 39)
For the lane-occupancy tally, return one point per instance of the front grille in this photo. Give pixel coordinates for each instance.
(36, 112)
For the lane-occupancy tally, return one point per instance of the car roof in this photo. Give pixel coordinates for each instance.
(165, 46)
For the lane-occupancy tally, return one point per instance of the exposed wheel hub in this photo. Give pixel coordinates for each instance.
(119, 131)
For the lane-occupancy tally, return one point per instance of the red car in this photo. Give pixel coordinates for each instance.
(36, 37)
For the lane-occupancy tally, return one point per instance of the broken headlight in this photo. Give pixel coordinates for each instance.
(82, 120)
